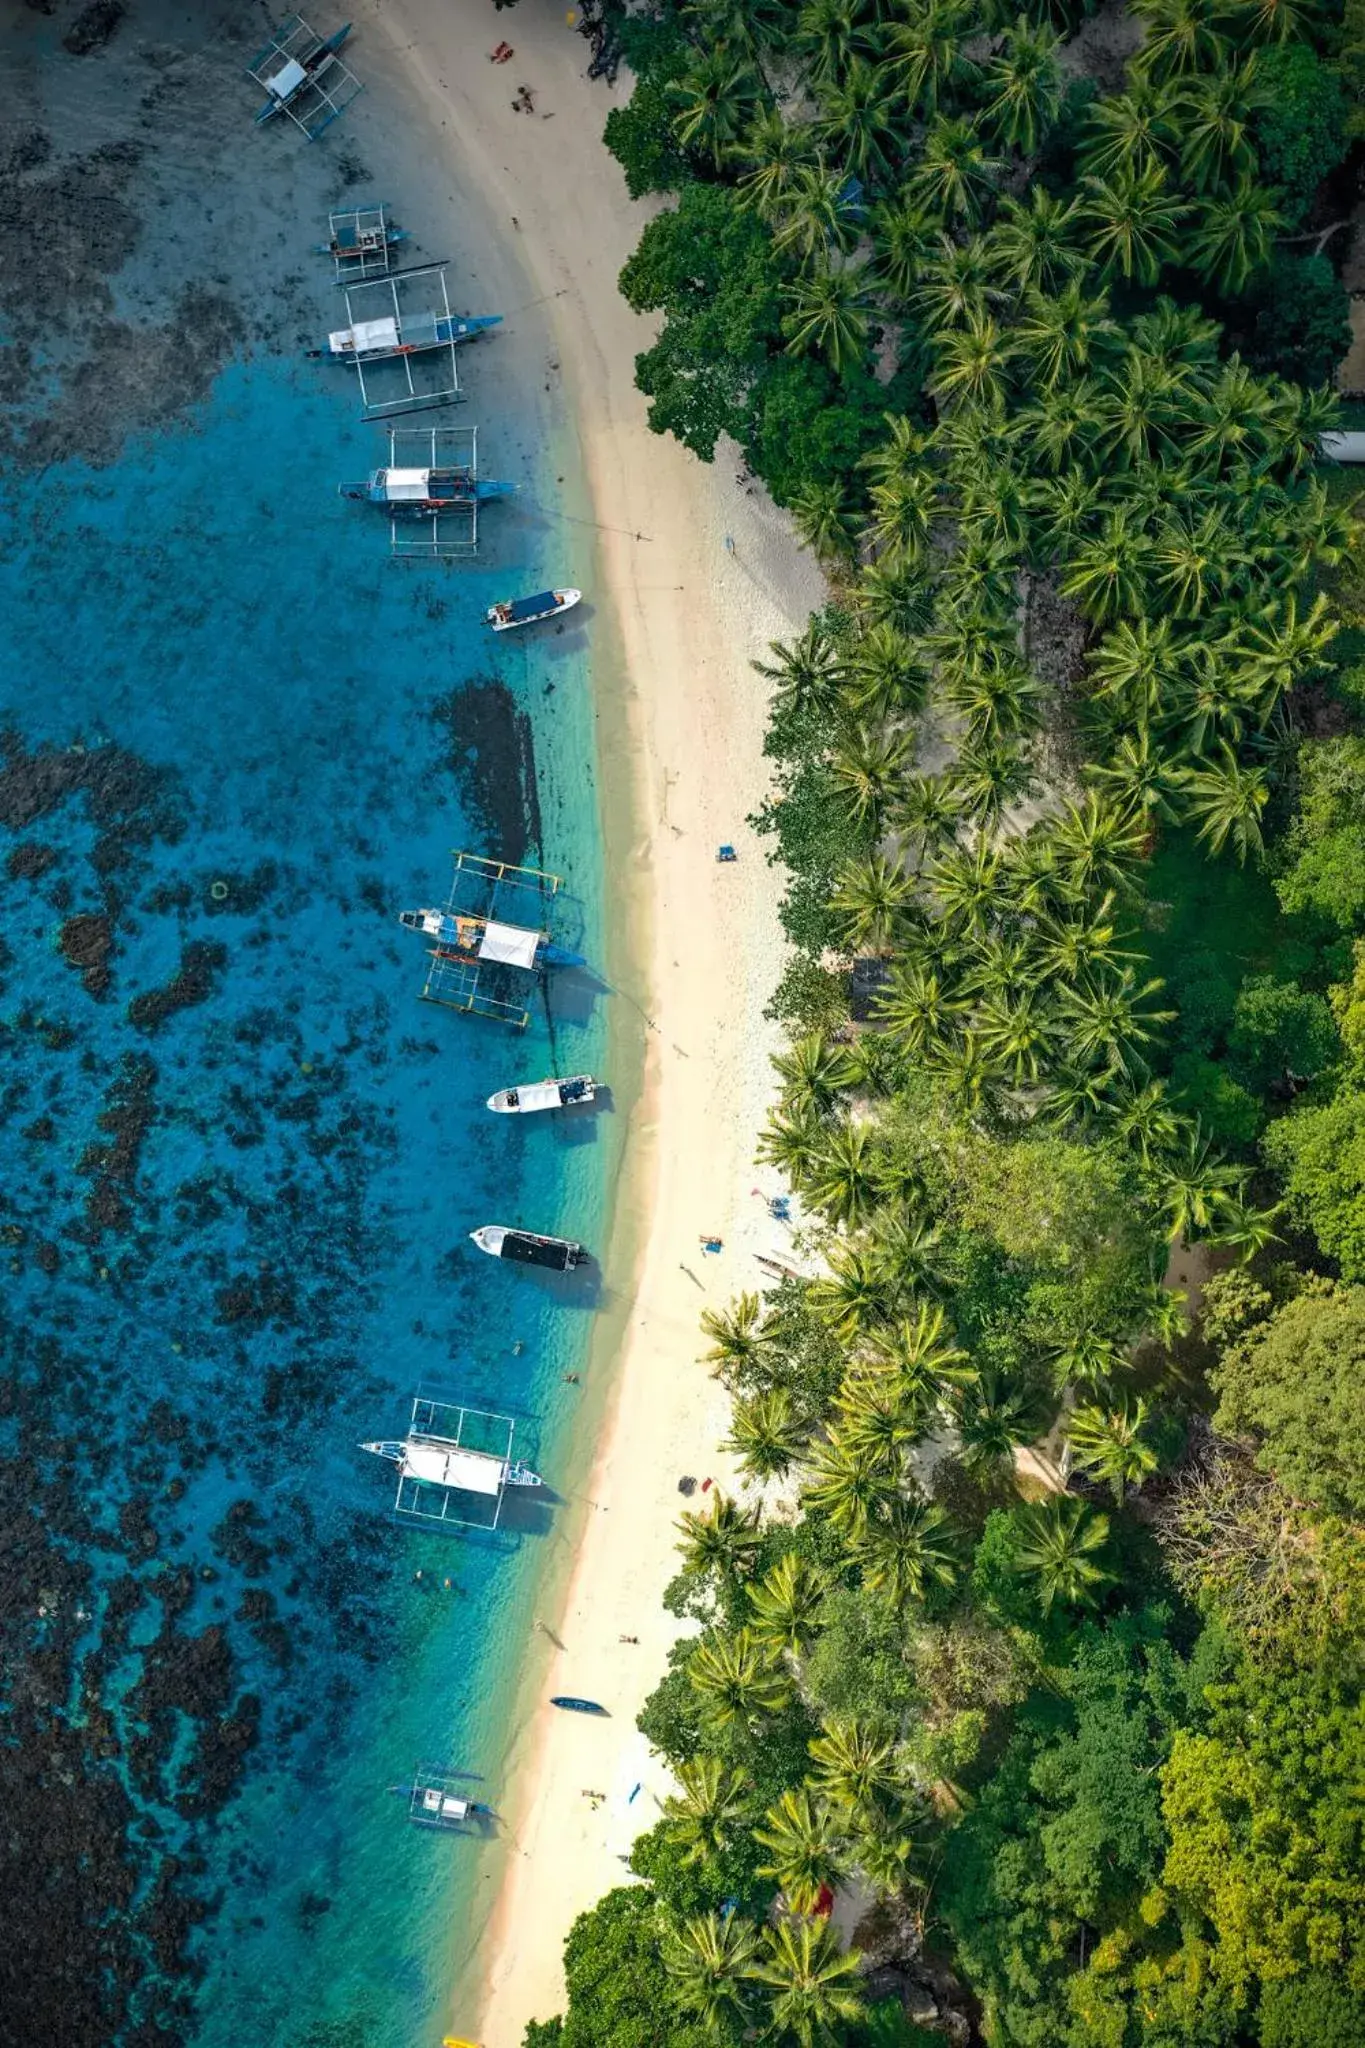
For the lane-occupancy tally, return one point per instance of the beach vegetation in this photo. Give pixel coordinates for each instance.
(1043, 1637)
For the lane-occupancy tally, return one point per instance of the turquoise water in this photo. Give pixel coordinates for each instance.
(237, 1231)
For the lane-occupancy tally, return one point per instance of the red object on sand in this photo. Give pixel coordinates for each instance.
(705, 1483)
(501, 54)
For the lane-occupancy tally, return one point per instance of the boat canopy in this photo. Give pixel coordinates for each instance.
(365, 334)
(509, 944)
(442, 1464)
(532, 607)
(287, 80)
(400, 484)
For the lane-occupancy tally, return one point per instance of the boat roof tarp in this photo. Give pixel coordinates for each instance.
(443, 1464)
(509, 944)
(365, 334)
(1344, 447)
(530, 607)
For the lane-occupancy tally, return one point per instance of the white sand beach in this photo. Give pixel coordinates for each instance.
(680, 718)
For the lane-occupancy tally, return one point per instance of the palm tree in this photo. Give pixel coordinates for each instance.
(1183, 36)
(1226, 797)
(804, 1839)
(1275, 649)
(1063, 333)
(807, 674)
(1130, 132)
(867, 769)
(828, 314)
(988, 777)
(966, 884)
(883, 676)
(786, 1604)
(927, 811)
(876, 1421)
(766, 1433)
(855, 1766)
(809, 1981)
(852, 1294)
(967, 1074)
(972, 362)
(1032, 246)
(1104, 1021)
(1085, 1357)
(1235, 236)
(955, 285)
(705, 1816)
(1246, 1230)
(740, 1337)
(1198, 1187)
(925, 50)
(1108, 568)
(906, 1549)
(1145, 1118)
(813, 216)
(870, 900)
(791, 1144)
(813, 1074)
(723, 1540)
(1112, 1444)
(1135, 665)
(738, 1678)
(1132, 221)
(1060, 1538)
(1024, 84)
(954, 176)
(1135, 778)
(1214, 125)
(717, 97)
(902, 231)
(830, 35)
(709, 1959)
(861, 122)
(843, 1181)
(1019, 1034)
(991, 1418)
(826, 522)
(847, 1486)
(1065, 947)
(775, 150)
(920, 1351)
(1094, 846)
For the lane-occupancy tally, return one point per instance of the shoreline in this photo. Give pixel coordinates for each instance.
(695, 950)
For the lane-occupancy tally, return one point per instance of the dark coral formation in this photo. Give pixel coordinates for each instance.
(201, 963)
(487, 747)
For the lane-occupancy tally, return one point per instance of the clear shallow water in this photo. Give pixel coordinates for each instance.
(237, 1235)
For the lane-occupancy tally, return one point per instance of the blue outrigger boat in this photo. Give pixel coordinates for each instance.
(376, 341)
(359, 242)
(491, 935)
(302, 75)
(441, 490)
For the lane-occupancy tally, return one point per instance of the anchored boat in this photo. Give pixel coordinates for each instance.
(529, 611)
(452, 1460)
(360, 239)
(366, 341)
(435, 1802)
(438, 486)
(479, 938)
(528, 1247)
(543, 1095)
(418, 493)
(492, 935)
(303, 76)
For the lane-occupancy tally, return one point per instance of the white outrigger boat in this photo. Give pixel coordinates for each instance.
(529, 611)
(543, 1095)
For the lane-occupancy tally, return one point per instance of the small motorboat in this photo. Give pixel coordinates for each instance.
(529, 611)
(528, 1247)
(543, 1095)
(576, 1706)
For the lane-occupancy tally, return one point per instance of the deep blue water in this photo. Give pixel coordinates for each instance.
(269, 1254)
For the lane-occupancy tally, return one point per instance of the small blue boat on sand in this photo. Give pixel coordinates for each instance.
(576, 1706)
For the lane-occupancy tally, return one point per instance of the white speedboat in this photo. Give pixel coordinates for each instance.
(528, 1247)
(529, 611)
(543, 1095)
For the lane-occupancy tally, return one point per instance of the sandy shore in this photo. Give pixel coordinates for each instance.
(680, 718)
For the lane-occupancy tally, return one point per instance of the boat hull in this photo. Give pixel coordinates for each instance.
(571, 1705)
(506, 618)
(539, 1095)
(528, 1248)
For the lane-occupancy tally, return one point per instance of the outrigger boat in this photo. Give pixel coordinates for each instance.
(528, 1247)
(302, 76)
(367, 341)
(479, 938)
(543, 1095)
(529, 611)
(359, 241)
(443, 491)
(492, 934)
(433, 1802)
(443, 1468)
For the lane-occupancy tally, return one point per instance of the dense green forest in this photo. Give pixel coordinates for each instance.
(1029, 317)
